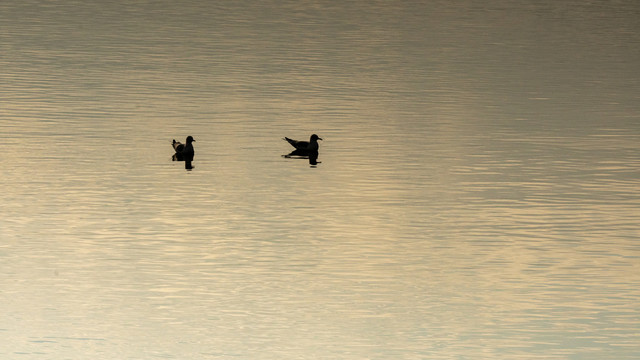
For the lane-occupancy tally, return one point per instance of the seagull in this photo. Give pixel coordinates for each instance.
(305, 147)
(184, 152)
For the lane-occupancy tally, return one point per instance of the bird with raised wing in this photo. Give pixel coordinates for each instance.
(305, 147)
(184, 152)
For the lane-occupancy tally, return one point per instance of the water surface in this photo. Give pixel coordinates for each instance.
(478, 195)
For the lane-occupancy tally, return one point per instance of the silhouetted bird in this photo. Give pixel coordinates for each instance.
(305, 147)
(184, 152)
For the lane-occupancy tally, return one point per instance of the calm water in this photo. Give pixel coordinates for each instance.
(478, 195)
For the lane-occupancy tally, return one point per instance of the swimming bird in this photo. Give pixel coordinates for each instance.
(184, 152)
(305, 147)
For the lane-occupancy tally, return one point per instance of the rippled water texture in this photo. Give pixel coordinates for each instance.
(477, 194)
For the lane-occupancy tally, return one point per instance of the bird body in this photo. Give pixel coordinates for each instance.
(305, 146)
(305, 149)
(184, 152)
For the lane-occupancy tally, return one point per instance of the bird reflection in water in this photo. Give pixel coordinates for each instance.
(305, 149)
(184, 152)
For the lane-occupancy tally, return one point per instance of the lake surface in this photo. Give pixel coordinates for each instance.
(477, 196)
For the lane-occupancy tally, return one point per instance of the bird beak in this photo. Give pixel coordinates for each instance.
(319, 138)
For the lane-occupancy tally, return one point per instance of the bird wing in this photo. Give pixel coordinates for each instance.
(178, 146)
(300, 145)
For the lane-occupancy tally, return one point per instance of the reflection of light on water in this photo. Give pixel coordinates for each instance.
(471, 197)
